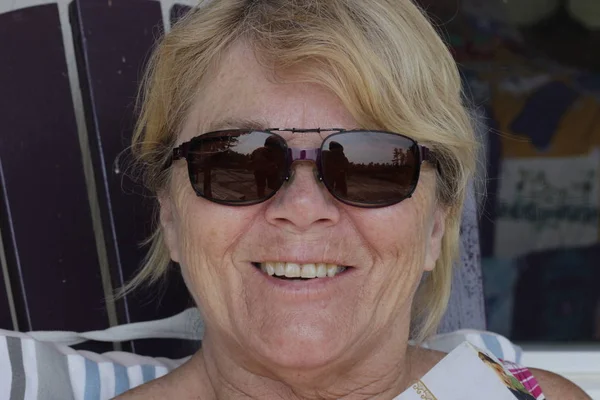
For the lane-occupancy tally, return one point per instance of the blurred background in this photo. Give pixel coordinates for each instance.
(531, 70)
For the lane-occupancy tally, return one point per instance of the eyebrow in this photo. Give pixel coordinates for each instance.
(237, 123)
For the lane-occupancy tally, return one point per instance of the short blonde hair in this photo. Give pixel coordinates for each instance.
(382, 58)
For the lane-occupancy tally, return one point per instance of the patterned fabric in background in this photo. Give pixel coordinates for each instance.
(556, 297)
(543, 230)
(550, 295)
(539, 218)
(547, 203)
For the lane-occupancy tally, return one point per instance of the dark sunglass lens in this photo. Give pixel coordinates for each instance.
(370, 168)
(237, 167)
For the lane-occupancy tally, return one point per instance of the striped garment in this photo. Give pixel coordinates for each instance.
(34, 369)
(526, 378)
(30, 369)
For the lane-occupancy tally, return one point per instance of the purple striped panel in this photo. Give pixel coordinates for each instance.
(113, 40)
(46, 222)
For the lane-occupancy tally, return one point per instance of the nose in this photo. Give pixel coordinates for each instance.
(303, 203)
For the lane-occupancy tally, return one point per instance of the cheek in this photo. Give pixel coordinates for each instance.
(207, 234)
(400, 248)
(205, 229)
(397, 238)
(398, 234)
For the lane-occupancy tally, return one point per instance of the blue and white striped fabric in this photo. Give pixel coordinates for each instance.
(30, 369)
(41, 365)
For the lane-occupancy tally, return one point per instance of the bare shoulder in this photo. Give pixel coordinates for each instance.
(555, 387)
(156, 389)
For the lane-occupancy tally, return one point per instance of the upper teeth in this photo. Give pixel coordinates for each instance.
(292, 270)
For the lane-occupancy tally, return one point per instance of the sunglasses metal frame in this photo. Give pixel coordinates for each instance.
(302, 154)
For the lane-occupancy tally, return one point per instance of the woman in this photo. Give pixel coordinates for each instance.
(307, 291)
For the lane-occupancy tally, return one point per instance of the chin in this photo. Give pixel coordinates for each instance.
(304, 342)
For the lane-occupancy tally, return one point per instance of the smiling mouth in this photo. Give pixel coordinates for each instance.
(288, 270)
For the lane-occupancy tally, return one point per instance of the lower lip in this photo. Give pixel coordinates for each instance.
(304, 285)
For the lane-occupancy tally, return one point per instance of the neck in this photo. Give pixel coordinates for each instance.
(376, 372)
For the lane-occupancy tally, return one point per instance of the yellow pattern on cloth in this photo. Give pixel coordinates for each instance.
(578, 131)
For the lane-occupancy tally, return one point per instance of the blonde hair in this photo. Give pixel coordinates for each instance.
(382, 58)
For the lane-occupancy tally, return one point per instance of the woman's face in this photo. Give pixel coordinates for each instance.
(295, 324)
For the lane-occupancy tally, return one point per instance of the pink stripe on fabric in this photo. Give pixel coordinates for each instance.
(525, 376)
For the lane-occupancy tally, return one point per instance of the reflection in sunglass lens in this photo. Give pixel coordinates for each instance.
(370, 168)
(237, 166)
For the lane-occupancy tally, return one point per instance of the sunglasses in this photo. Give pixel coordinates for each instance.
(363, 168)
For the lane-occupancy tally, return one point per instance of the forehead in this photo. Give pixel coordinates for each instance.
(241, 91)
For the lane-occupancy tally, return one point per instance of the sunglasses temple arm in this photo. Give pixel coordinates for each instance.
(181, 151)
(178, 153)
(425, 154)
(429, 156)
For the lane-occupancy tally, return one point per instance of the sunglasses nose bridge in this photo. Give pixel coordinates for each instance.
(296, 154)
(304, 155)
